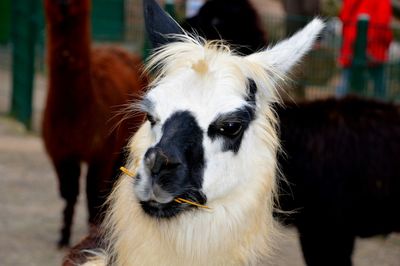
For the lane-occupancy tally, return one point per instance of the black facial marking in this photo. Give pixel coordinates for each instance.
(176, 164)
(183, 138)
(231, 126)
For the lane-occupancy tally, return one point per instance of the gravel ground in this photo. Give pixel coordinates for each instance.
(29, 203)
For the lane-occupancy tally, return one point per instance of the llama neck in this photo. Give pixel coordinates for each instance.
(232, 234)
(68, 33)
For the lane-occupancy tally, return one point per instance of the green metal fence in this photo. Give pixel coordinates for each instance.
(5, 54)
(5, 78)
(121, 22)
(24, 36)
(108, 20)
(24, 54)
(5, 21)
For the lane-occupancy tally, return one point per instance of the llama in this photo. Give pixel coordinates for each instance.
(210, 137)
(218, 19)
(86, 86)
(341, 161)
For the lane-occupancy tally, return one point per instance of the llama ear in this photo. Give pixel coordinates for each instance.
(287, 53)
(160, 26)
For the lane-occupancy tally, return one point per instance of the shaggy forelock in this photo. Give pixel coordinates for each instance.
(207, 57)
(189, 51)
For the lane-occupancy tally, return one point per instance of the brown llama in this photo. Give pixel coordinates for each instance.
(86, 88)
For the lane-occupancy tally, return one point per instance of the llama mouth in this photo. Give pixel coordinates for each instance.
(161, 210)
(173, 208)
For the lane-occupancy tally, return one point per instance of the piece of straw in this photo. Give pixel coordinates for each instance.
(179, 200)
(126, 171)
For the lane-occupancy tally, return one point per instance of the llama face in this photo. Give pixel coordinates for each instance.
(210, 130)
(196, 130)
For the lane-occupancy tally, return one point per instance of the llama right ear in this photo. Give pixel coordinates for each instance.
(160, 26)
(287, 53)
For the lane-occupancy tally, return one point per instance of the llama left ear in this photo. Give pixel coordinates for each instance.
(284, 55)
(160, 26)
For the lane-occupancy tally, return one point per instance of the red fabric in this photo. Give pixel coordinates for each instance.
(379, 33)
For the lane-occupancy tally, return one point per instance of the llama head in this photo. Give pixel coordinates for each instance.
(59, 10)
(210, 132)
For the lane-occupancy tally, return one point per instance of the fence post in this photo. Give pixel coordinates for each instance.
(358, 77)
(5, 20)
(24, 33)
(108, 20)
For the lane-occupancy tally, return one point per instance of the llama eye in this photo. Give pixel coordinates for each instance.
(151, 119)
(230, 129)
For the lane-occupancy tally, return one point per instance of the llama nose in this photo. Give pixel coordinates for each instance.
(157, 160)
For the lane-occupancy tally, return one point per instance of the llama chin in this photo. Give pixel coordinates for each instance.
(210, 136)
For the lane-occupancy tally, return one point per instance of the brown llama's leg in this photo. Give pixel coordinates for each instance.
(99, 182)
(68, 172)
(92, 241)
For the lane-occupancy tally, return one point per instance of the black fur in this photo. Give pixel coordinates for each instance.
(178, 164)
(234, 21)
(342, 166)
(159, 24)
(230, 127)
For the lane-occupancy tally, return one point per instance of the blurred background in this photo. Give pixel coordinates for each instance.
(29, 203)
(120, 22)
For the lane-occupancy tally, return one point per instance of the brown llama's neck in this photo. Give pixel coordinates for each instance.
(68, 33)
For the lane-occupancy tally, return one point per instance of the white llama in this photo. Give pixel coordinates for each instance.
(210, 138)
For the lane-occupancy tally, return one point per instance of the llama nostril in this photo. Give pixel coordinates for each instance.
(157, 160)
(159, 163)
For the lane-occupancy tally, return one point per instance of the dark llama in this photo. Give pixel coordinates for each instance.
(341, 161)
(234, 21)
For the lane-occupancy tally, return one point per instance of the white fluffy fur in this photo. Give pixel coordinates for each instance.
(239, 187)
(287, 53)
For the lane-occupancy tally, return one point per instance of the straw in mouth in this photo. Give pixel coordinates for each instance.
(179, 200)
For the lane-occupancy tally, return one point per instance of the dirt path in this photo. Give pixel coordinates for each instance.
(29, 203)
